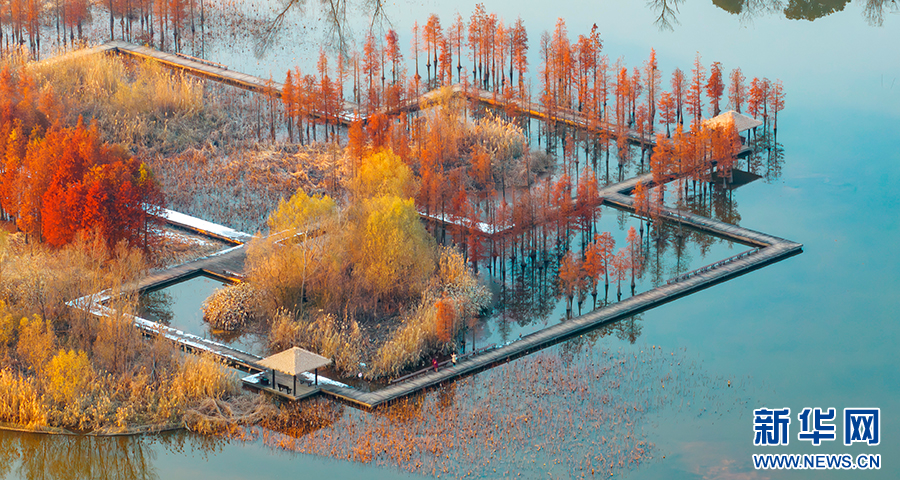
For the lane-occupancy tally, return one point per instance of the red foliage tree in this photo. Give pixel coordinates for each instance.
(288, 98)
(371, 67)
(737, 91)
(679, 87)
(651, 79)
(715, 87)
(667, 112)
(587, 202)
(635, 256)
(695, 93)
(776, 103)
(570, 277)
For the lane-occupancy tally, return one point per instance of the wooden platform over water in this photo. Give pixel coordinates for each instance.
(223, 266)
(771, 249)
(220, 73)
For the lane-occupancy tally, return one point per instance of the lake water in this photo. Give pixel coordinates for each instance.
(816, 330)
(181, 306)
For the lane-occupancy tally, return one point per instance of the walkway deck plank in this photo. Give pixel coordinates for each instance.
(245, 81)
(771, 249)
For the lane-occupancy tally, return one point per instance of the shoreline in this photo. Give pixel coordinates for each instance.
(103, 432)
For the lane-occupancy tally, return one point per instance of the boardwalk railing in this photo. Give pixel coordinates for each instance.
(202, 60)
(772, 250)
(711, 266)
(220, 73)
(441, 364)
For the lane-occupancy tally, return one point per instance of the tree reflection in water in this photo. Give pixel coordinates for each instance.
(874, 10)
(873, 13)
(75, 457)
(34, 456)
(334, 15)
(666, 13)
(156, 306)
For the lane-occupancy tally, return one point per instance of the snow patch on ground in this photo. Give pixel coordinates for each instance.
(197, 224)
(306, 375)
(482, 227)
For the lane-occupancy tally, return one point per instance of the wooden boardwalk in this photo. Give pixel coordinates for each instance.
(195, 344)
(202, 227)
(195, 67)
(226, 265)
(771, 249)
(222, 74)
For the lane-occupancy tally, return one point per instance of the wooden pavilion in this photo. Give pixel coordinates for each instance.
(742, 123)
(293, 362)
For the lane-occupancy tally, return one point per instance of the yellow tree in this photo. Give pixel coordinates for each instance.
(444, 320)
(383, 173)
(36, 342)
(294, 252)
(397, 254)
(301, 213)
(69, 375)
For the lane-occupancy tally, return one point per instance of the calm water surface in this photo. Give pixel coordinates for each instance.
(181, 306)
(816, 330)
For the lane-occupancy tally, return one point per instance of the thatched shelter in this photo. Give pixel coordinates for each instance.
(742, 122)
(293, 362)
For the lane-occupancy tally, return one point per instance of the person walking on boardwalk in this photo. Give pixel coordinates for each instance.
(453, 358)
(434, 364)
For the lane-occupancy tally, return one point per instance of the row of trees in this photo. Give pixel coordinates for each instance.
(581, 274)
(154, 21)
(498, 53)
(611, 103)
(309, 100)
(463, 173)
(693, 154)
(56, 181)
(573, 75)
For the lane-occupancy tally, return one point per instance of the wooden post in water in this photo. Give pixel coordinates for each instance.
(317, 375)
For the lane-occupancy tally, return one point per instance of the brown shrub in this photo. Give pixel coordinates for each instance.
(232, 307)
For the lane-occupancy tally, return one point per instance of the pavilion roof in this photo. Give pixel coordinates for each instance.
(742, 122)
(294, 361)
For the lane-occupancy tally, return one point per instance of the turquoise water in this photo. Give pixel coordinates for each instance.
(181, 306)
(816, 330)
